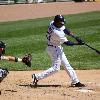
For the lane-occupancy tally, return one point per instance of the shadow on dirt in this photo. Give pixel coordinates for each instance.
(33, 86)
(11, 90)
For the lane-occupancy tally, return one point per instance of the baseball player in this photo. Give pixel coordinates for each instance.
(55, 38)
(4, 72)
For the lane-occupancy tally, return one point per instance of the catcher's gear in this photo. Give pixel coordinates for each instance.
(27, 60)
(3, 74)
(2, 47)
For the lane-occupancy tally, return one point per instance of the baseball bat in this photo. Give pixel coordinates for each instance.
(80, 40)
(97, 51)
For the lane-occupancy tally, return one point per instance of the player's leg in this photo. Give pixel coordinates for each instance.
(3, 74)
(71, 72)
(56, 62)
(69, 69)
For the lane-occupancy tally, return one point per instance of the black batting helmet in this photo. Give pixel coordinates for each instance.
(59, 18)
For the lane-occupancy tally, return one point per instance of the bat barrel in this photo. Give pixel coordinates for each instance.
(97, 51)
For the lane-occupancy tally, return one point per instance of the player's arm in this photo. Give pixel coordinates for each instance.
(26, 59)
(69, 33)
(69, 43)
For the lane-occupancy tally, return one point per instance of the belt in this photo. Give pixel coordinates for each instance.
(52, 45)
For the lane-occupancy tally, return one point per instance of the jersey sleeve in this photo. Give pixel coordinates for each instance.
(67, 31)
(61, 36)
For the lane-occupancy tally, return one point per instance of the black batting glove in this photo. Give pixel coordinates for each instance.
(80, 41)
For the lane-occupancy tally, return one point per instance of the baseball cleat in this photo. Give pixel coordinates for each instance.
(34, 80)
(78, 85)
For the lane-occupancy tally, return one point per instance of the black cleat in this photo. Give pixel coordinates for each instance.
(34, 80)
(78, 85)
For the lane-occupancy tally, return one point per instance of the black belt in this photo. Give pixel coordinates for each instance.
(51, 45)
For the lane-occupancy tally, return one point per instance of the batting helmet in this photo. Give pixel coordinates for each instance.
(59, 18)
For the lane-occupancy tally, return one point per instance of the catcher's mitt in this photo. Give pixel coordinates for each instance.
(2, 47)
(3, 74)
(27, 60)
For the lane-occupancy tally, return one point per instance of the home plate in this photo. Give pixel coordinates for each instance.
(85, 90)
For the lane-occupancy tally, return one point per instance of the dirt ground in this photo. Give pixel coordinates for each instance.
(18, 84)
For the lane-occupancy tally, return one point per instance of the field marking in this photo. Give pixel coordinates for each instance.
(85, 90)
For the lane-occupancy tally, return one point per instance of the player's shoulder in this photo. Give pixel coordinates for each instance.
(51, 23)
(63, 27)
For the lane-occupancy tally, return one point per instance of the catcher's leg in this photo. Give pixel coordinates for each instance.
(3, 74)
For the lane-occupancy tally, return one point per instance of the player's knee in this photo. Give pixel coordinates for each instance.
(56, 67)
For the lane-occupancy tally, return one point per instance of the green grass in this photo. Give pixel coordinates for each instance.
(28, 36)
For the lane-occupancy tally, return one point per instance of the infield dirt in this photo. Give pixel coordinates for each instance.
(18, 86)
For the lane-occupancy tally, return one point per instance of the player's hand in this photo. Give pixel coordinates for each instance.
(80, 41)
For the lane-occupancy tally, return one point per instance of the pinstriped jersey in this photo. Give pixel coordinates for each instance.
(55, 36)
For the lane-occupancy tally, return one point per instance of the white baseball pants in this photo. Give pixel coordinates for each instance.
(58, 57)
